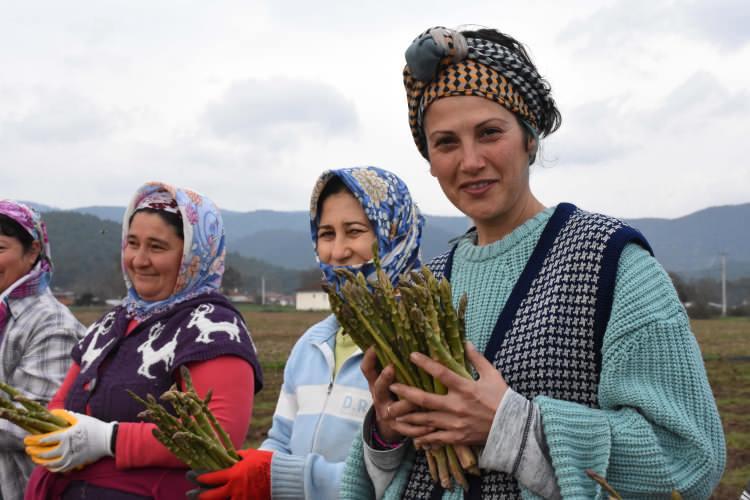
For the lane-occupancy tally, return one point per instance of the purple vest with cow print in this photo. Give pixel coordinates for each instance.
(146, 360)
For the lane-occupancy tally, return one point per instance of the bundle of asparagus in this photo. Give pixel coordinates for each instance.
(416, 316)
(192, 433)
(31, 416)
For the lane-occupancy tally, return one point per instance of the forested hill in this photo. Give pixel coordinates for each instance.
(86, 255)
(277, 245)
(691, 245)
(283, 238)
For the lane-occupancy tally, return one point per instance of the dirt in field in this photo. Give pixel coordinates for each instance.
(274, 334)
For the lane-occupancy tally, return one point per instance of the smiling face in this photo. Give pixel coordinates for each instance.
(480, 156)
(15, 262)
(152, 256)
(345, 235)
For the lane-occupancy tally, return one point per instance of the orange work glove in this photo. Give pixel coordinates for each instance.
(250, 478)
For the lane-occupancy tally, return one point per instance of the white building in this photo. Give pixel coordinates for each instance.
(240, 299)
(312, 300)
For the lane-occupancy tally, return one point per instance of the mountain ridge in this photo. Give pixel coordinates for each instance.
(690, 245)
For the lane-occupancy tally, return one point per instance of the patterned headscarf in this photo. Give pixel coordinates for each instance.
(203, 252)
(393, 215)
(159, 200)
(442, 62)
(37, 279)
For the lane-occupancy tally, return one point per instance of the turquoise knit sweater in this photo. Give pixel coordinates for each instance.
(657, 427)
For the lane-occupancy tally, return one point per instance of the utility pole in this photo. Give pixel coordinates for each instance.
(723, 284)
(263, 290)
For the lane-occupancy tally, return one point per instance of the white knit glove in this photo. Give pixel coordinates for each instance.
(87, 440)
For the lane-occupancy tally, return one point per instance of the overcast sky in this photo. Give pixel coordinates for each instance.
(249, 101)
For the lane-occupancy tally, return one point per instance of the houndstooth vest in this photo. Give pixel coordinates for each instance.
(548, 337)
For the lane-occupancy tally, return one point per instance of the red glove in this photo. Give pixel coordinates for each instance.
(248, 479)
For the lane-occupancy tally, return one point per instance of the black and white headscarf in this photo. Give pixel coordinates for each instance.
(442, 62)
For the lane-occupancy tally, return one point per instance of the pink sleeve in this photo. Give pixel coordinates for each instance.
(232, 381)
(58, 400)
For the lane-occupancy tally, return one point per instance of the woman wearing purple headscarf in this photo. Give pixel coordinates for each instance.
(36, 331)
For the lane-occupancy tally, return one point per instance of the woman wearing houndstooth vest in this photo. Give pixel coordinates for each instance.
(583, 353)
(173, 249)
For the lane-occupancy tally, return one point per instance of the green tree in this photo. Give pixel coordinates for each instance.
(232, 280)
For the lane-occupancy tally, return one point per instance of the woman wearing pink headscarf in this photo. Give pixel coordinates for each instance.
(37, 332)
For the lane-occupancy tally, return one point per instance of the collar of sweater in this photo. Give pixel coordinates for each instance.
(470, 251)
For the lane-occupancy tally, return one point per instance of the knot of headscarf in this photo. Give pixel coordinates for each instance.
(203, 253)
(442, 62)
(394, 217)
(38, 278)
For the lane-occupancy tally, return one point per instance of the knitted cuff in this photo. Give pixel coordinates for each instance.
(287, 476)
(578, 439)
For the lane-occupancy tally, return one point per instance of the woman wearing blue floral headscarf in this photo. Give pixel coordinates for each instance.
(324, 396)
(173, 316)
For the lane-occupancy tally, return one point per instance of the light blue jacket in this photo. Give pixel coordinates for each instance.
(317, 417)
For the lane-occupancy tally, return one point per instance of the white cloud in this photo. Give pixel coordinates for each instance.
(699, 100)
(281, 111)
(598, 132)
(45, 115)
(633, 23)
(723, 22)
(594, 133)
(248, 101)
